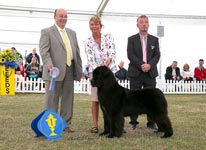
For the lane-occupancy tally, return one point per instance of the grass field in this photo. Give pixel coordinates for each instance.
(187, 113)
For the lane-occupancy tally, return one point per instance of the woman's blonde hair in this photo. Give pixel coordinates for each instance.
(96, 19)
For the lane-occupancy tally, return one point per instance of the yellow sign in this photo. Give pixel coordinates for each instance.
(7, 80)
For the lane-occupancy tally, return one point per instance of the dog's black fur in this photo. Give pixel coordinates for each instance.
(117, 102)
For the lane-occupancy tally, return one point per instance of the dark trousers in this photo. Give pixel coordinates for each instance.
(144, 80)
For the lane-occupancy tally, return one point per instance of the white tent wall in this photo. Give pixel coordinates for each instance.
(183, 38)
(23, 31)
(166, 7)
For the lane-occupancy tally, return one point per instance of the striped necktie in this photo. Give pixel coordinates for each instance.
(68, 47)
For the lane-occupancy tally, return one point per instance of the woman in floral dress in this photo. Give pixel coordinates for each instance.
(100, 50)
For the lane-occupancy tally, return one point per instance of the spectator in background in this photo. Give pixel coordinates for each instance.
(40, 71)
(13, 49)
(32, 69)
(121, 74)
(186, 73)
(173, 72)
(20, 69)
(200, 71)
(32, 54)
(20, 73)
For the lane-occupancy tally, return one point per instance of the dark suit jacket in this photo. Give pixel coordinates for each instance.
(134, 53)
(168, 75)
(121, 74)
(29, 57)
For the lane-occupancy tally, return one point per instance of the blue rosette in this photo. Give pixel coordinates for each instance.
(54, 73)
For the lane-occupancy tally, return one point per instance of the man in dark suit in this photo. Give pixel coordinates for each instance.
(173, 72)
(31, 55)
(143, 53)
(59, 48)
(121, 74)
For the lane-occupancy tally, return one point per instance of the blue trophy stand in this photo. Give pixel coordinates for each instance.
(49, 124)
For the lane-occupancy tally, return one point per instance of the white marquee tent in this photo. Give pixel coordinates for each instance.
(184, 25)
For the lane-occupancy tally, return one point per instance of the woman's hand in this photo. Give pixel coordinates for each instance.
(108, 61)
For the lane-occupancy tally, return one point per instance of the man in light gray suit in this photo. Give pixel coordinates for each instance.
(54, 54)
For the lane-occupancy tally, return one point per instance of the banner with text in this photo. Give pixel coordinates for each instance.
(7, 80)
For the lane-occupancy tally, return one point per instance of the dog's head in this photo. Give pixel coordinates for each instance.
(102, 76)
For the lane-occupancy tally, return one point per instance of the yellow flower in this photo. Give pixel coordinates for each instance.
(2, 60)
(7, 51)
(9, 55)
(14, 58)
(10, 59)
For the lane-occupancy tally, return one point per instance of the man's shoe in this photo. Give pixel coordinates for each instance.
(69, 129)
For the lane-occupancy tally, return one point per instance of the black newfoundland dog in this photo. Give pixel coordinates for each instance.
(117, 102)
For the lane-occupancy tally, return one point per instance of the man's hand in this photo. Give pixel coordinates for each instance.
(49, 67)
(145, 67)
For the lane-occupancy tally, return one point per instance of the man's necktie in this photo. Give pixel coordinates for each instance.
(144, 50)
(68, 47)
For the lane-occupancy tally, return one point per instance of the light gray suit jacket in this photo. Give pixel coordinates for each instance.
(53, 51)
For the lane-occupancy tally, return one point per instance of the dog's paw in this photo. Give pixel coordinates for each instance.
(110, 136)
(158, 131)
(167, 135)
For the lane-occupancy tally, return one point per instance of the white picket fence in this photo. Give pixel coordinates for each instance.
(37, 86)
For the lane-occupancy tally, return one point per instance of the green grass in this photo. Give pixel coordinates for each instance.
(187, 113)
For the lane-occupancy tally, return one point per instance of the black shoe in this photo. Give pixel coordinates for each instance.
(152, 126)
(134, 124)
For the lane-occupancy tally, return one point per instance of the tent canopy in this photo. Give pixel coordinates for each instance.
(111, 7)
(184, 25)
